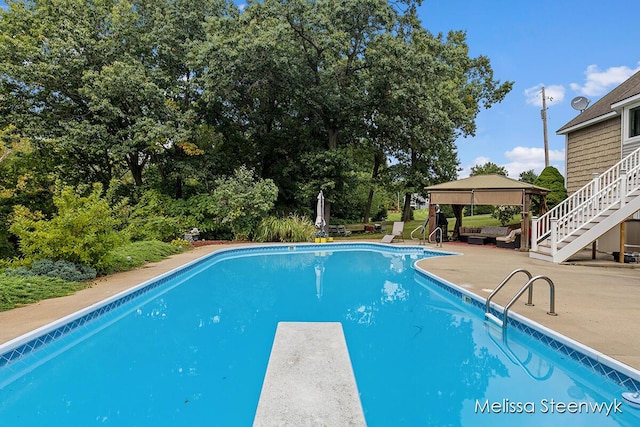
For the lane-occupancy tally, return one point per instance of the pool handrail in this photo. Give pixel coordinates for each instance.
(527, 287)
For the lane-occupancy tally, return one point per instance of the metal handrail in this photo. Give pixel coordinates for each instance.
(552, 298)
(527, 287)
(434, 232)
(423, 230)
(506, 279)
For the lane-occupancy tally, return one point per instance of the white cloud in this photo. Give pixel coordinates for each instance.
(553, 93)
(466, 170)
(525, 158)
(599, 82)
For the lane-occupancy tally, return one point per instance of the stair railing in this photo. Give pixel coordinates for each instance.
(582, 205)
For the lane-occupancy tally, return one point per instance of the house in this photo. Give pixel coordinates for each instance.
(603, 134)
(602, 177)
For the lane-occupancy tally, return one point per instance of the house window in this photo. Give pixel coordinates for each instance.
(634, 122)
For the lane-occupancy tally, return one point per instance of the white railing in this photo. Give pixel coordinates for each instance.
(600, 194)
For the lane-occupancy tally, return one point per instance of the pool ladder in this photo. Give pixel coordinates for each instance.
(527, 287)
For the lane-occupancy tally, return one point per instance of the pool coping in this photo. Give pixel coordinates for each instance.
(612, 369)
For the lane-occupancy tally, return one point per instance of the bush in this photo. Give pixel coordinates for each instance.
(291, 229)
(82, 231)
(64, 270)
(155, 217)
(243, 200)
(181, 243)
(505, 214)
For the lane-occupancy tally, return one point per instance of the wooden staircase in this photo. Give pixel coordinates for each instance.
(608, 200)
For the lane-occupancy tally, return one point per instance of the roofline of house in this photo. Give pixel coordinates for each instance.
(595, 120)
(620, 104)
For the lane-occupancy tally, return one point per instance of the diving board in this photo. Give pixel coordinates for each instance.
(309, 379)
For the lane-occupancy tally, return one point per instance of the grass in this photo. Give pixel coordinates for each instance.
(18, 291)
(134, 255)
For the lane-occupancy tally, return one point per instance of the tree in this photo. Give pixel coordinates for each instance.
(293, 73)
(528, 176)
(243, 201)
(488, 168)
(429, 92)
(25, 179)
(551, 178)
(102, 84)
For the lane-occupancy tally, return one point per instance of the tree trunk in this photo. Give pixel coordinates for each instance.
(135, 167)
(406, 210)
(332, 131)
(327, 214)
(457, 211)
(378, 157)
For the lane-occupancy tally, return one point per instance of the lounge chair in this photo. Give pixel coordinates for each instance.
(396, 233)
(511, 241)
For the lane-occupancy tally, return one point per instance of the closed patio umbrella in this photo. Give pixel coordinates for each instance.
(320, 212)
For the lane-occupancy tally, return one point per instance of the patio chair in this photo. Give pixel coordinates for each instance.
(396, 233)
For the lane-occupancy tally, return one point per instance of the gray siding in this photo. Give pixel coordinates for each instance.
(590, 150)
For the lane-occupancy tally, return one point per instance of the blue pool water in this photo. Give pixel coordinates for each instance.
(194, 350)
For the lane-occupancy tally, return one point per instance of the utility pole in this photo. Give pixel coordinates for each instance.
(544, 127)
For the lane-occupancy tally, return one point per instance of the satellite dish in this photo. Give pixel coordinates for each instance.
(580, 103)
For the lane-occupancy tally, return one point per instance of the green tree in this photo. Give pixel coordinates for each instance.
(25, 179)
(551, 178)
(528, 176)
(488, 168)
(429, 92)
(104, 85)
(243, 201)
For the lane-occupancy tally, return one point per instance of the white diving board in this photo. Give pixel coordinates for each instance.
(309, 379)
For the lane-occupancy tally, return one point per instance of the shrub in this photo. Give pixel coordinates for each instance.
(82, 231)
(291, 229)
(64, 270)
(181, 243)
(155, 217)
(243, 200)
(552, 179)
(505, 214)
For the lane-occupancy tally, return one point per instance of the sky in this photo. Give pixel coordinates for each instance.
(572, 48)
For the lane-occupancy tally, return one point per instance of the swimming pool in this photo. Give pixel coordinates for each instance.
(191, 348)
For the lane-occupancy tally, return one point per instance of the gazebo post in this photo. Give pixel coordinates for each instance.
(525, 224)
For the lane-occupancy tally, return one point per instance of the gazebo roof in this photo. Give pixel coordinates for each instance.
(484, 189)
(488, 182)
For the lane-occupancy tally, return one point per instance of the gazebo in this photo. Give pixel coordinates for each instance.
(487, 190)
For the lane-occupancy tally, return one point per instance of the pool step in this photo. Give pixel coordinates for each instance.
(309, 379)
